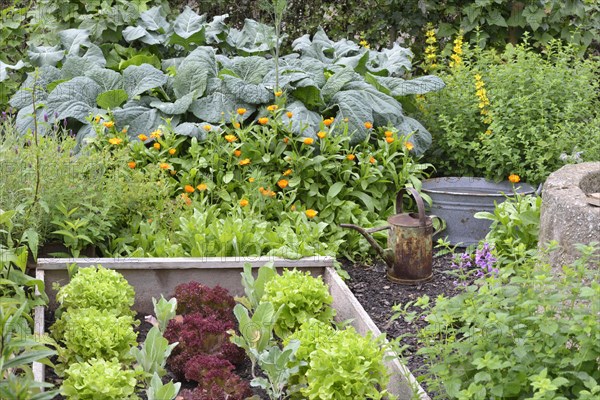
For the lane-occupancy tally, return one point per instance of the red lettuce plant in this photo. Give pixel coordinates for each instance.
(199, 335)
(216, 379)
(193, 297)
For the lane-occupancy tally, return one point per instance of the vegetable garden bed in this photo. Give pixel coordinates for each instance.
(152, 277)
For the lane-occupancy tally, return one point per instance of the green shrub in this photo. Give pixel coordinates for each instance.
(98, 287)
(302, 296)
(99, 379)
(529, 333)
(91, 333)
(348, 366)
(516, 112)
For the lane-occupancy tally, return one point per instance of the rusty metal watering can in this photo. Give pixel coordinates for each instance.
(409, 255)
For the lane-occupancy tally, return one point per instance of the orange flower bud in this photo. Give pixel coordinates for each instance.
(289, 114)
(244, 202)
(351, 157)
(143, 137)
(282, 183)
(189, 189)
(131, 164)
(156, 146)
(263, 120)
(245, 161)
(389, 139)
(310, 213)
(514, 178)
(241, 111)
(172, 151)
(368, 125)
(308, 141)
(237, 153)
(321, 135)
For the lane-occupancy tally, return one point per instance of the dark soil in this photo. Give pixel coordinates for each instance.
(244, 370)
(377, 295)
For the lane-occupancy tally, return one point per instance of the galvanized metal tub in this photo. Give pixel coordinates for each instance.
(456, 200)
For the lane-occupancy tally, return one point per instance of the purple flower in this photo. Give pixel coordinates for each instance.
(45, 117)
(485, 260)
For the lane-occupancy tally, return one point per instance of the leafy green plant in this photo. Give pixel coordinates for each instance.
(100, 288)
(73, 239)
(153, 354)
(254, 288)
(91, 333)
(165, 310)
(278, 365)
(526, 333)
(99, 379)
(301, 297)
(160, 391)
(358, 365)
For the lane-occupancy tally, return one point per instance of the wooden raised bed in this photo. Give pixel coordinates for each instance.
(152, 277)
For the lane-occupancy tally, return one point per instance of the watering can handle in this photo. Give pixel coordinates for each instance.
(418, 199)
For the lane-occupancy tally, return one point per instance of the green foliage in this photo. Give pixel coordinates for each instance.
(91, 333)
(301, 297)
(278, 365)
(529, 333)
(515, 222)
(358, 364)
(99, 379)
(100, 288)
(153, 354)
(159, 391)
(164, 311)
(540, 108)
(255, 288)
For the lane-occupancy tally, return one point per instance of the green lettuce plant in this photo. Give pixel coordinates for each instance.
(99, 379)
(301, 297)
(100, 288)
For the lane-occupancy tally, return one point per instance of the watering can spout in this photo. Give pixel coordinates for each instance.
(386, 254)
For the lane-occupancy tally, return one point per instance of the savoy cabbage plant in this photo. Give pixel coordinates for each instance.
(208, 71)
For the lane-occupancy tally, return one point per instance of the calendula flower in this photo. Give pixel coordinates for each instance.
(189, 189)
(245, 161)
(131, 164)
(308, 141)
(372, 160)
(514, 178)
(321, 135)
(115, 141)
(186, 198)
(388, 133)
(230, 138)
(287, 172)
(251, 179)
(109, 124)
(310, 213)
(202, 187)
(237, 125)
(241, 111)
(97, 118)
(156, 134)
(124, 130)
(164, 165)
(263, 120)
(368, 125)
(143, 137)
(278, 93)
(156, 146)
(286, 140)
(244, 202)
(207, 128)
(237, 153)
(389, 139)
(272, 107)
(351, 157)
(328, 121)
(172, 151)
(409, 146)
(289, 114)
(282, 183)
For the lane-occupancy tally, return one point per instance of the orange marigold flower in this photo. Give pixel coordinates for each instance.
(272, 107)
(237, 125)
(372, 160)
(172, 151)
(241, 111)
(278, 93)
(189, 189)
(156, 134)
(310, 213)
(109, 124)
(368, 125)
(328, 121)
(261, 189)
(131, 164)
(289, 114)
(156, 146)
(237, 153)
(308, 141)
(244, 202)
(286, 140)
(287, 172)
(207, 128)
(389, 139)
(245, 161)
(282, 183)
(514, 178)
(164, 165)
(124, 130)
(230, 138)
(251, 179)
(186, 198)
(143, 137)
(351, 157)
(115, 141)
(409, 146)
(263, 120)
(388, 133)
(202, 187)
(321, 135)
